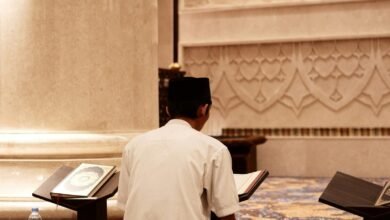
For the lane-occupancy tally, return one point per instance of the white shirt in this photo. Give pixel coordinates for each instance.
(176, 173)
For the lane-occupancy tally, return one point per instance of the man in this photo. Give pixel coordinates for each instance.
(176, 172)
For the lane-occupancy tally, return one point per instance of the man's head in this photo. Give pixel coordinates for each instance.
(189, 98)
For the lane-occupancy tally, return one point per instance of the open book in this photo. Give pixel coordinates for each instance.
(384, 196)
(84, 181)
(246, 184)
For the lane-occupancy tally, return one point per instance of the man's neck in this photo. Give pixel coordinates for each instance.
(195, 123)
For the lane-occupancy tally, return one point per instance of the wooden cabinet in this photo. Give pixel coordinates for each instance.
(243, 151)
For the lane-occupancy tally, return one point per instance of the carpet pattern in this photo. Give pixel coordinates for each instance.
(292, 199)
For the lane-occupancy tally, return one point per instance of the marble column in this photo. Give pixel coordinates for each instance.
(78, 65)
(78, 79)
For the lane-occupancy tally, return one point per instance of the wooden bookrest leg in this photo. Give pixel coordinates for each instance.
(96, 210)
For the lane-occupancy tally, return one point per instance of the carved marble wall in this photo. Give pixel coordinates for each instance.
(346, 82)
(283, 64)
(313, 76)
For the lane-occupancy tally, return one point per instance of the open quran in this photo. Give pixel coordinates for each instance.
(246, 184)
(84, 181)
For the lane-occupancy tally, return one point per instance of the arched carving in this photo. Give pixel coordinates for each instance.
(335, 73)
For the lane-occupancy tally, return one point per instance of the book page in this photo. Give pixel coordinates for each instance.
(384, 197)
(243, 181)
(83, 180)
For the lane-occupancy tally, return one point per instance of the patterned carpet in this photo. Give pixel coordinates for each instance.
(292, 198)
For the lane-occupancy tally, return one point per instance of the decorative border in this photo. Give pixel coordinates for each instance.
(214, 6)
(308, 132)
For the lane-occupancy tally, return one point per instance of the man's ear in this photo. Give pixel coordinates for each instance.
(202, 110)
(167, 111)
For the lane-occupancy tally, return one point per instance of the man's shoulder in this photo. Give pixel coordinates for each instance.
(143, 136)
(211, 141)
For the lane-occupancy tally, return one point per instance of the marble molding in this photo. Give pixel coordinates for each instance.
(233, 4)
(27, 160)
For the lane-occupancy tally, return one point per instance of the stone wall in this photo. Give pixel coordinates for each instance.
(296, 66)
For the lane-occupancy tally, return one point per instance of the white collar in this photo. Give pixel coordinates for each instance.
(178, 122)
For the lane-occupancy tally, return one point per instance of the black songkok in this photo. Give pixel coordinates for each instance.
(189, 89)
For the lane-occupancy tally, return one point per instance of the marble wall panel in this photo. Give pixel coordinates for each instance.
(165, 33)
(323, 157)
(237, 24)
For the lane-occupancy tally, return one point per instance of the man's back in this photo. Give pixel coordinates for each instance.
(176, 172)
